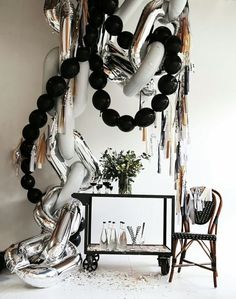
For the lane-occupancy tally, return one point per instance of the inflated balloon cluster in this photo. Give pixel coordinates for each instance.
(56, 87)
(167, 84)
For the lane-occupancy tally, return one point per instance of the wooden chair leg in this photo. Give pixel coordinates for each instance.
(213, 263)
(175, 242)
(182, 256)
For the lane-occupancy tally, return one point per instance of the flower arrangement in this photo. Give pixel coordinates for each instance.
(122, 166)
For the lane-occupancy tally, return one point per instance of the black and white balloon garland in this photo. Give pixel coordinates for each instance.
(167, 84)
(56, 87)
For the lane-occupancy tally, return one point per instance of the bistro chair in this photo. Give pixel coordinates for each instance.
(208, 213)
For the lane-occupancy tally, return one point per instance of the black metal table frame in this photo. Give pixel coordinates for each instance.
(92, 256)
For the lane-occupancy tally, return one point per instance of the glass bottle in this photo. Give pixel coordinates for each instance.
(108, 231)
(122, 245)
(112, 244)
(103, 237)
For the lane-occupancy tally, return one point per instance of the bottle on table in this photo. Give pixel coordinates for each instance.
(103, 237)
(122, 243)
(112, 243)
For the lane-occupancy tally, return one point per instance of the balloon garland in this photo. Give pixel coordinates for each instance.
(56, 86)
(167, 84)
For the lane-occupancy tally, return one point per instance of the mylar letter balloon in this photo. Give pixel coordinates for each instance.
(70, 68)
(145, 117)
(167, 84)
(110, 117)
(160, 102)
(98, 80)
(101, 100)
(172, 64)
(34, 195)
(126, 123)
(56, 86)
(113, 25)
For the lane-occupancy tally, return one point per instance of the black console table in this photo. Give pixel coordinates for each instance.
(163, 251)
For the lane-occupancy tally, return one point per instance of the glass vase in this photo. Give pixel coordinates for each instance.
(124, 185)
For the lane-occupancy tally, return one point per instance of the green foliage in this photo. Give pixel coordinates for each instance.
(117, 165)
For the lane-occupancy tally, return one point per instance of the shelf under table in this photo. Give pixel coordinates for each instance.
(136, 249)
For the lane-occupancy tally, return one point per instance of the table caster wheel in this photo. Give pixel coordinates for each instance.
(96, 256)
(165, 265)
(90, 263)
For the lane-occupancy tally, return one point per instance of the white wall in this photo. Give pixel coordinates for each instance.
(25, 40)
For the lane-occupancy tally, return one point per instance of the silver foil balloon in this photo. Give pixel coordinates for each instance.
(51, 11)
(53, 154)
(66, 29)
(42, 274)
(44, 212)
(138, 47)
(44, 259)
(88, 160)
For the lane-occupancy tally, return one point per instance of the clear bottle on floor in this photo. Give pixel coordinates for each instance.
(122, 242)
(112, 243)
(103, 237)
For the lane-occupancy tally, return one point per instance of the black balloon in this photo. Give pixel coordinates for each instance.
(98, 80)
(82, 225)
(124, 39)
(172, 64)
(45, 103)
(27, 181)
(2, 261)
(56, 86)
(113, 25)
(83, 54)
(70, 68)
(161, 34)
(167, 84)
(145, 117)
(96, 17)
(75, 239)
(109, 6)
(26, 148)
(34, 195)
(101, 100)
(25, 166)
(126, 123)
(110, 117)
(30, 132)
(160, 102)
(38, 118)
(91, 36)
(95, 62)
(173, 44)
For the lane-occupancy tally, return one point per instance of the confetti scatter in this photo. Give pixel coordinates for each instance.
(115, 280)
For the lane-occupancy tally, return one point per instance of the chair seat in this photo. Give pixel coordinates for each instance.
(194, 236)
